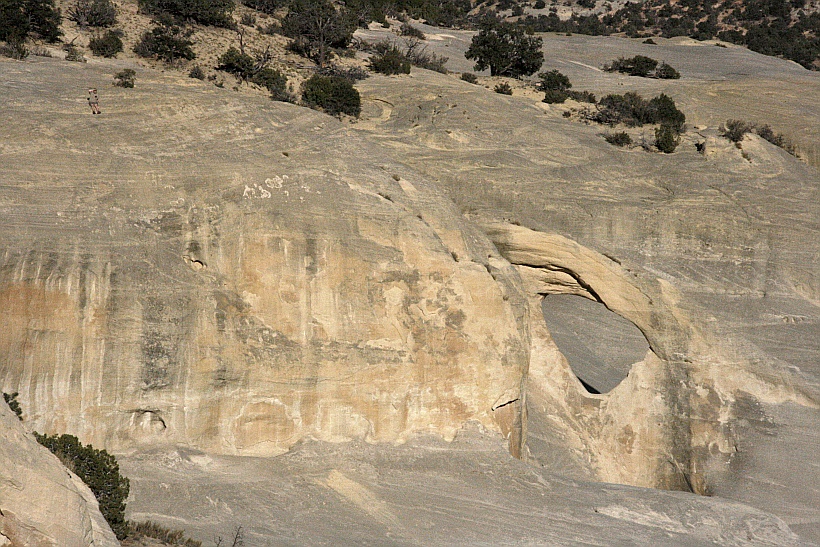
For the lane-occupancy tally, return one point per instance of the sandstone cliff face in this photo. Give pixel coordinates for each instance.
(186, 270)
(193, 273)
(713, 257)
(42, 503)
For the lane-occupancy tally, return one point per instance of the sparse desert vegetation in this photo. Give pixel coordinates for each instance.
(735, 130)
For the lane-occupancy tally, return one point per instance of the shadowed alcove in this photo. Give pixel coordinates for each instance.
(600, 345)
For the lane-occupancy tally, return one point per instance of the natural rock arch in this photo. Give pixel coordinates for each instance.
(639, 433)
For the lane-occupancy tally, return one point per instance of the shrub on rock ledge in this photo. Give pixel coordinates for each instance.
(633, 110)
(99, 470)
(666, 139)
(390, 60)
(333, 94)
(642, 66)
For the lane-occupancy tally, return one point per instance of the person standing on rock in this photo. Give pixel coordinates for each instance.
(94, 101)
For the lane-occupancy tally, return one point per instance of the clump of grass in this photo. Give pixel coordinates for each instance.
(153, 530)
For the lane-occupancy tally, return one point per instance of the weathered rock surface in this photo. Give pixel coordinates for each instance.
(231, 275)
(716, 254)
(235, 277)
(41, 502)
(426, 492)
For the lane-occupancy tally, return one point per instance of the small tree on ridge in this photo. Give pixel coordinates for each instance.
(506, 50)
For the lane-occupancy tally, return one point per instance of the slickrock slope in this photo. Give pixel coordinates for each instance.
(41, 503)
(235, 275)
(715, 248)
(196, 276)
(426, 492)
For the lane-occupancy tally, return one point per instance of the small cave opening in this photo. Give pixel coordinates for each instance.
(600, 345)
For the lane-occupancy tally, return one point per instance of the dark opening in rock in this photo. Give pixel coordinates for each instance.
(600, 345)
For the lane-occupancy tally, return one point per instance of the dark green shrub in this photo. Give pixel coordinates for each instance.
(237, 63)
(14, 23)
(581, 96)
(650, 41)
(21, 18)
(197, 72)
(553, 81)
(409, 30)
(274, 81)
(106, 45)
(248, 19)
(504, 88)
(93, 13)
(628, 109)
(638, 65)
(735, 130)
(666, 139)
(552, 96)
(167, 42)
(206, 12)
(777, 139)
(632, 110)
(556, 87)
(125, 78)
(390, 61)
(469, 77)
(99, 470)
(505, 49)
(666, 72)
(540, 4)
(618, 139)
(14, 405)
(332, 94)
(44, 19)
(662, 109)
